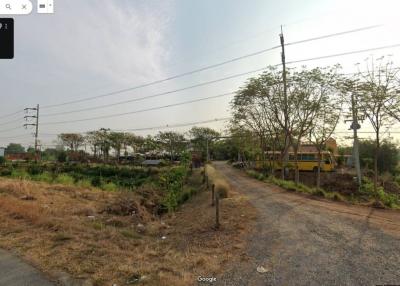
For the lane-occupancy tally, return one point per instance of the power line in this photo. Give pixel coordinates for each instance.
(204, 68)
(11, 114)
(160, 127)
(144, 110)
(16, 136)
(139, 111)
(11, 121)
(209, 82)
(179, 124)
(344, 54)
(154, 95)
(163, 80)
(333, 35)
(11, 129)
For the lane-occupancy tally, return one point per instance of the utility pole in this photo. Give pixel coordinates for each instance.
(36, 124)
(208, 151)
(285, 100)
(355, 126)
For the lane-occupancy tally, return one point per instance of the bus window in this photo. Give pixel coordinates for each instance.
(308, 157)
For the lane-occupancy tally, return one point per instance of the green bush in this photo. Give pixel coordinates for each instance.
(84, 183)
(389, 200)
(6, 171)
(110, 187)
(64, 179)
(35, 169)
(2, 160)
(44, 177)
(96, 181)
(20, 174)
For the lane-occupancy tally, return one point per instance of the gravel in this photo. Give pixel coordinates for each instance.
(301, 240)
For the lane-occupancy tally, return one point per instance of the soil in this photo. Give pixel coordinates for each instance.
(105, 238)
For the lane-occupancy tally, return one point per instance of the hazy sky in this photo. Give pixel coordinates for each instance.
(92, 47)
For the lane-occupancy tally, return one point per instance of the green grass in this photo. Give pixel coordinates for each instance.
(366, 192)
(64, 179)
(109, 187)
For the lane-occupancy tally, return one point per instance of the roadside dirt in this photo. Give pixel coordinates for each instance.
(301, 240)
(65, 233)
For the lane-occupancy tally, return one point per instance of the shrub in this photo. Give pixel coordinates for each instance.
(96, 181)
(110, 187)
(62, 157)
(84, 183)
(64, 179)
(5, 172)
(222, 188)
(20, 174)
(389, 200)
(34, 169)
(45, 177)
(2, 160)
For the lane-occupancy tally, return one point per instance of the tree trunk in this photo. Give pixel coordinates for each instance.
(377, 147)
(319, 170)
(296, 169)
(118, 154)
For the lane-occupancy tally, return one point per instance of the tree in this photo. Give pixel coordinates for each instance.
(174, 142)
(200, 137)
(312, 92)
(324, 125)
(105, 144)
(379, 101)
(388, 156)
(261, 107)
(256, 107)
(136, 142)
(150, 145)
(93, 138)
(117, 140)
(71, 140)
(14, 148)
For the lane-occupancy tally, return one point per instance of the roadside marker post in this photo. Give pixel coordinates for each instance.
(212, 194)
(217, 211)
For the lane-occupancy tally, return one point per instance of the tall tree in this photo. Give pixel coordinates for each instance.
(379, 101)
(324, 125)
(93, 139)
(311, 92)
(14, 148)
(200, 137)
(71, 140)
(117, 140)
(174, 142)
(252, 110)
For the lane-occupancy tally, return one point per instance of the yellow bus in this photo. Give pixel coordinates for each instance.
(307, 161)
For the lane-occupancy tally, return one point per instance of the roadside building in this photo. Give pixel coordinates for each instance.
(2, 151)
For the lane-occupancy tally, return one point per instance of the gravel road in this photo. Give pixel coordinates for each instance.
(301, 240)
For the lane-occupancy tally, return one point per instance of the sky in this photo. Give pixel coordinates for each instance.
(93, 48)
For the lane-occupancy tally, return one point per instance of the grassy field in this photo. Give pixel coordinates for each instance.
(118, 237)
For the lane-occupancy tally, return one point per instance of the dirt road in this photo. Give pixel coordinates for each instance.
(304, 241)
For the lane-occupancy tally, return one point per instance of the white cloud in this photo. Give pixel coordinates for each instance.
(109, 38)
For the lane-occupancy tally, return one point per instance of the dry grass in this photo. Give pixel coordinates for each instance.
(112, 237)
(221, 186)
